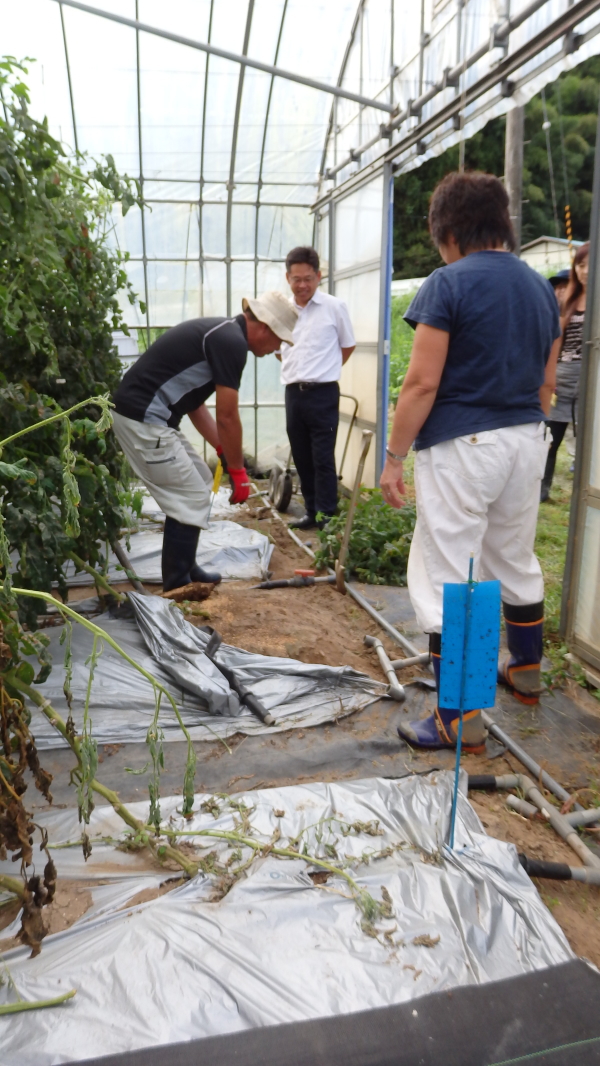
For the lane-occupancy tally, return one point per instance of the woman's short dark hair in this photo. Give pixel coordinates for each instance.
(473, 208)
(303, 254)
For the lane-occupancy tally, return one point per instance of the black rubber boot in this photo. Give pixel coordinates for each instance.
(178, 553)
(179, 557)
(208, 577)
(545, 489)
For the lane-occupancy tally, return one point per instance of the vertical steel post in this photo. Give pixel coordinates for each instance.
(201, 192)
(513, 168)
(232, 161)
(385, 310)
(139, 117)
(256, 217)
(64, 35)
(588, 415)
(330, 276)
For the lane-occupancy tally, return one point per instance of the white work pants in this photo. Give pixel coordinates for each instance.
(172, 471)
(478, 494)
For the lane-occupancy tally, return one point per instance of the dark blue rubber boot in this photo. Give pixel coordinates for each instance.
(524, 636)
(440, 729)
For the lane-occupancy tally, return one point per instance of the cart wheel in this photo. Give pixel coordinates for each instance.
(283, 492)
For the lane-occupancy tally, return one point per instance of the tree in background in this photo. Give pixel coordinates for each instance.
(59, 283)
(572, 109)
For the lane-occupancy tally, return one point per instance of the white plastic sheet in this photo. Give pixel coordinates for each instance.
(235, 551)
(278, 948)
(122, 700)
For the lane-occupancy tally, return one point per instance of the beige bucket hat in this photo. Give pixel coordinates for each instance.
(276, 311)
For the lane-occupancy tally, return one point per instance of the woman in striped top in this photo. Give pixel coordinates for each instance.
(564, 408)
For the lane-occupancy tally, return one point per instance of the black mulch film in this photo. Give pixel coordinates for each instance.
(547, 1018)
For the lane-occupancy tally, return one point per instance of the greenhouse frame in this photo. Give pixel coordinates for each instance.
(257, 125)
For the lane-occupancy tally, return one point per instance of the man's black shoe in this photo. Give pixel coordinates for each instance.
(308, 522)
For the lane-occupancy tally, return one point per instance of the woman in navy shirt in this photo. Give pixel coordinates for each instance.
(477, 390)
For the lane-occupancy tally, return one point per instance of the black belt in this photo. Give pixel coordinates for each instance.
(303, 385)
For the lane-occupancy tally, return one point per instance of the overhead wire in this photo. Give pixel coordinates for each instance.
(568, 225)
(546, 126)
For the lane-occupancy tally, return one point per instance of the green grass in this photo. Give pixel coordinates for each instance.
(400, 344)
(551, 540)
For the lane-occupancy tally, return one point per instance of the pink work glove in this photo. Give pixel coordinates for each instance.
(239, 484)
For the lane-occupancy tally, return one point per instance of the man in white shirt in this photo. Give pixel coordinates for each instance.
(310, 371)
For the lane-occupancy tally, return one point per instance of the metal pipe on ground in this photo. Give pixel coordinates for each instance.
(245, 696)
(559, 871)
(532, 793)
(296, 582)
(533, 767)
(574, 818)
(398, 637)
(577, 818)
(413, 660)
(395, 690)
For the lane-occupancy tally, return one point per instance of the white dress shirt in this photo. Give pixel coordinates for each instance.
(322, 330)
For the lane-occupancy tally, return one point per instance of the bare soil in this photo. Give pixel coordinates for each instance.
(314, 624)
(71, 900)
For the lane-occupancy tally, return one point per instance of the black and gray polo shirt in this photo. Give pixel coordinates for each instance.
(181, 370)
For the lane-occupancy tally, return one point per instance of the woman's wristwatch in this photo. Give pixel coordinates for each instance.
(397, 458)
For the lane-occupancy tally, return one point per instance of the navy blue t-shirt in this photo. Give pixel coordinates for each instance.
(502, 318)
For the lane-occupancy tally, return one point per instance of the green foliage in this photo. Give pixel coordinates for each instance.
(414, 254)
(572, 101)
(59, 285)
(401, 344)
(379, 542)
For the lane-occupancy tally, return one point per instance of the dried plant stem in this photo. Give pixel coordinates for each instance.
(36, 1004)
(10, 884)
(99, 579)
(112, 797)
(267, 849)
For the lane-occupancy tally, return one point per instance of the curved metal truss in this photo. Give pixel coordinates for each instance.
(245, 119)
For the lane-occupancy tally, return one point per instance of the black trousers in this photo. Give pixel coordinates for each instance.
(558, 430)
(312, 417)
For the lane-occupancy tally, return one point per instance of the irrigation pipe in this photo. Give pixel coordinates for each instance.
(574, 818)
(558, 821)
(533, 767)
(395, 690)
(559, 871)
(414, 660)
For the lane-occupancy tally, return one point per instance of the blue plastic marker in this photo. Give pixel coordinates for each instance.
(470, 642)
